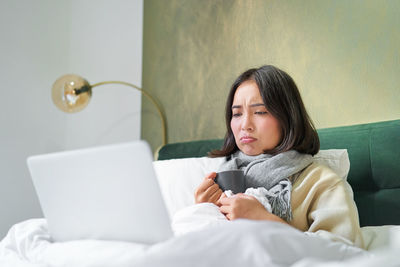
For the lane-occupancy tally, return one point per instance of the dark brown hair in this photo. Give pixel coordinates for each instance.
(282, 99)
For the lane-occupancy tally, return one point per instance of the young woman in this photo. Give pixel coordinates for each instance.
(272, 139)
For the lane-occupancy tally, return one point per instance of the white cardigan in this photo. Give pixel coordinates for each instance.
(323, 203)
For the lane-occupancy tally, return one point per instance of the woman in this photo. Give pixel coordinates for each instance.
(271, 137)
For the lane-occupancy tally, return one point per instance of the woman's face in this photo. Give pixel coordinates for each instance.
(254, 128)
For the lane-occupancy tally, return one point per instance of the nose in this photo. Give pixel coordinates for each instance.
(247, 123)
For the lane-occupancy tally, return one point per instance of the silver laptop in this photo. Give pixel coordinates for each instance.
(109, 193)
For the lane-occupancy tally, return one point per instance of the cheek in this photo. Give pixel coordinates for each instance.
(272, 127)
(235, 127)
(275, 129)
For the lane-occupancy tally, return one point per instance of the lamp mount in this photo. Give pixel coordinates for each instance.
(71, 93)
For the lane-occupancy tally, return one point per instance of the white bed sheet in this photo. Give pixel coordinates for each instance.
(202, 240)
(240, 243)
(203, 236)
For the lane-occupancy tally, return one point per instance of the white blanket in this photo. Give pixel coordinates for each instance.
(203, 238)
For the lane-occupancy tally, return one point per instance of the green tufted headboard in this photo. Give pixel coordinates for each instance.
(374, 153)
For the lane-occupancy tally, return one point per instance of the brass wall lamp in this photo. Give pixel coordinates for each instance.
(71, 93)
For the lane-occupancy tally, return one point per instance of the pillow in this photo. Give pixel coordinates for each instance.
(179, 178)
(336, 159)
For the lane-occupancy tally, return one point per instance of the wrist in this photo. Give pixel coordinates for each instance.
(271, 217)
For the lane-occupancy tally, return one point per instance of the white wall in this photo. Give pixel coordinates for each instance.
(40, 41)
(106, 45)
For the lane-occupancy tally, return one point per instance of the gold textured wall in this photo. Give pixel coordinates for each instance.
(343, 55)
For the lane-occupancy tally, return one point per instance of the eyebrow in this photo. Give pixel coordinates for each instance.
(252, 105)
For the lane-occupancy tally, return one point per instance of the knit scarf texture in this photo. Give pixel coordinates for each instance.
(273, 172)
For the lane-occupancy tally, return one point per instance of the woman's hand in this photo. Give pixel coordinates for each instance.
(246, 207)
(208, 190)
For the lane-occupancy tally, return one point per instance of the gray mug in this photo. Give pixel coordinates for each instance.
(231, 180)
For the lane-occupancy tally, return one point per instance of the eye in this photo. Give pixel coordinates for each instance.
(236, 114)
(261, 112)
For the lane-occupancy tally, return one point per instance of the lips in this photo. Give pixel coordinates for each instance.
(247, 139)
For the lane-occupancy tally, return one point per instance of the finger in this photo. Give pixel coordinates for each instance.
(211, 175)
(217, 194)
(226, 200)
(211, 190)
(219, 199)
(230, 216)
(241, 195)
(215, 197)
(222, 195)
(204, 185)
(225, 209)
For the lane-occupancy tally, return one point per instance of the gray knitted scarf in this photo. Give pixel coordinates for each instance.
(272, 173)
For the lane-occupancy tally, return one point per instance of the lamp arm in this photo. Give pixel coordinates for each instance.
(164, 137)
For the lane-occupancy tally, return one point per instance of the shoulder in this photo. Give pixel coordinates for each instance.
(320, 185)
(317, 175)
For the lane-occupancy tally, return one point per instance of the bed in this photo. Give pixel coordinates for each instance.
(367, 155)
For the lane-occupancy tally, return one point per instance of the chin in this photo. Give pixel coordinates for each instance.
(250, 152)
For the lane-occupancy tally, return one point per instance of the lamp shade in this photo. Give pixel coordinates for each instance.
(71, 93)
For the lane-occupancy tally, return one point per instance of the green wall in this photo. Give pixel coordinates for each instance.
(343, 55)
